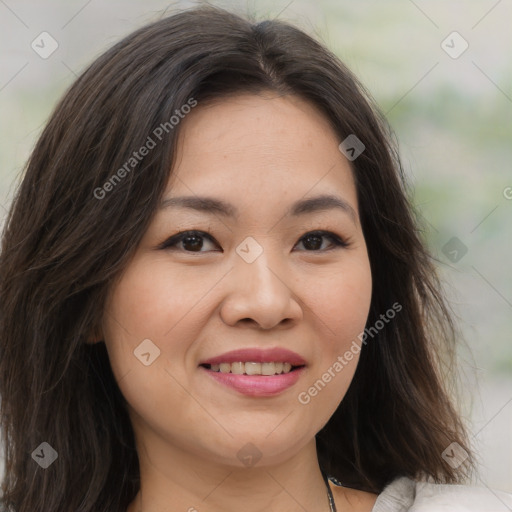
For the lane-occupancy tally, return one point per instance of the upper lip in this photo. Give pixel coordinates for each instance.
(258, 355)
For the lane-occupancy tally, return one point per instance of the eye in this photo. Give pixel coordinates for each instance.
(193, 239)
(314, 239)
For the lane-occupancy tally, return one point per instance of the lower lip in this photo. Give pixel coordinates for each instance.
(257, 385)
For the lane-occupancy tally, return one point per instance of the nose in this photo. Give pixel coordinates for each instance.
(260, 294)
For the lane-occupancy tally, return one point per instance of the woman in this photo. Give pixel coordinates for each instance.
(214, 294)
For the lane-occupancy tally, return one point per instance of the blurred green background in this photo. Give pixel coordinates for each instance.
(452, 115)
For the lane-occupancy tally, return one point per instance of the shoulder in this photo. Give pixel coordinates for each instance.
(404, 494)
(353, 499)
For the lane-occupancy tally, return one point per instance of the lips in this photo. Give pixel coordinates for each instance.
(259, 385)
(255, 355)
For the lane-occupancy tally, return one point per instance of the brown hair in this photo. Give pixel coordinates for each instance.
(63, 247)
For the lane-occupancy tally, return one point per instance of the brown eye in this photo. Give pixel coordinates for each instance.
(192, 241)
(313, 241)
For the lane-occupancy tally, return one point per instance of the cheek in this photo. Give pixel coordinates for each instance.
(145, 304)
(342, 303)
(152, 302)
(142, 311)
(340, 307)
(146, 326)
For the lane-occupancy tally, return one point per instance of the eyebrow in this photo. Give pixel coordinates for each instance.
(212, 205)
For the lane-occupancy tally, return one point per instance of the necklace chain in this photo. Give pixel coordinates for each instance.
(332, 505)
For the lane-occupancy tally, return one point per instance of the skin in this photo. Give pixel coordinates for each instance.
(260, 153)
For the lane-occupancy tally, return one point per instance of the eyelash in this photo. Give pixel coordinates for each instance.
(171, 242)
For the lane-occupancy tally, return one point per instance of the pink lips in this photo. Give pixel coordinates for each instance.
(257, 385)
(256, 355)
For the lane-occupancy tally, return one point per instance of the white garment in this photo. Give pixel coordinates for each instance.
(406, 495)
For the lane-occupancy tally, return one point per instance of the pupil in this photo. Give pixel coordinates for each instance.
(309, 237)
(196, 242)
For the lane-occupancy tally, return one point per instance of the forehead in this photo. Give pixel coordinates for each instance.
(259, 147)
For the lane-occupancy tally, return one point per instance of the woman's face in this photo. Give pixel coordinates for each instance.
(251, 277)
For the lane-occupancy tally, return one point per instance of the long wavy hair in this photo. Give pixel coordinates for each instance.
(64, 244)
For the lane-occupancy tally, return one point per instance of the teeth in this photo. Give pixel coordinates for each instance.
(225, 367)
(268, 368)
(237, 368)
(251, 368)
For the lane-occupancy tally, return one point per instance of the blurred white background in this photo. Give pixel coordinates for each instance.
(450, 106)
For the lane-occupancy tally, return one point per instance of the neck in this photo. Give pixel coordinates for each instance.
(175, 479)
